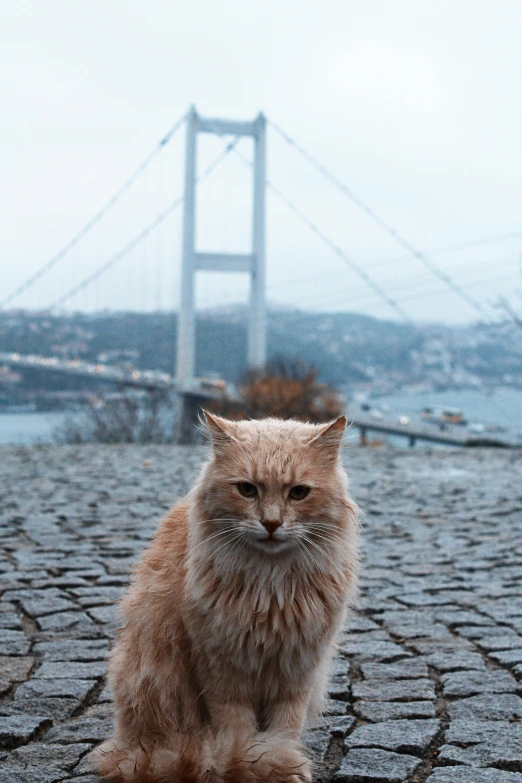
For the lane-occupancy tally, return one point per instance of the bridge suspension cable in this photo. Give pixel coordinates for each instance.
(158, 220)
(144, 165)
(332, 245)
(491, 240)
(411, 249)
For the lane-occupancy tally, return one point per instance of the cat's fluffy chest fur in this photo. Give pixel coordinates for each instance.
(261, 620)
(234, 611)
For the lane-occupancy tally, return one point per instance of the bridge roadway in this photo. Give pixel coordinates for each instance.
(414, 431)
(202, 390)
(366, 425)
(149, 379)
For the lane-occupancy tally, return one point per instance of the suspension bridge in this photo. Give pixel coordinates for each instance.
(117, 261)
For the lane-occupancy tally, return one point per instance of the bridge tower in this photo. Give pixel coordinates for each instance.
(252, 263)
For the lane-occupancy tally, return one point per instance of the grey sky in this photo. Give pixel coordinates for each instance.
(416, 105)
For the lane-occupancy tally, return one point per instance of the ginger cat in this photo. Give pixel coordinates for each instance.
(233, 612)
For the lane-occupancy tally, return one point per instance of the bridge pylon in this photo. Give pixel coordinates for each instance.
(252, 263)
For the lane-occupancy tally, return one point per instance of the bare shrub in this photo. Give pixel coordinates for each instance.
(286, 389)
(129, 417)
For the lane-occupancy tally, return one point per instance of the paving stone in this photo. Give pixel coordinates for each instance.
(97, 596)
(446, 646)
(393, 710)
(64, 757)
(73, 650)
(106, 614)
(14, 669)
(357, 623)
(401, 670)
(361, 765)
(460, 660)
(53, 707)
(401, 736)
(482, 744)
(470, 732)
(503, 706)
(10, 620)
(462, 775)
(21, 773)
(41, 602)
(19, 729)
(64, 621)
(317, 741)
(472, 683)
(457, 618)
(402, 690)
(497, 642)
(334, 707)
(14, 642)
(485, 631)
(425, 599)
(106, 696)
(507, 657)
(81, 730)
(375, 650)
(52, 670)
(339, 727)
(339, 684)
(421, 630)
(73, 688)
(503, 752)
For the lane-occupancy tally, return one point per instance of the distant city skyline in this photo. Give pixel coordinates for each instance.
(416, 108)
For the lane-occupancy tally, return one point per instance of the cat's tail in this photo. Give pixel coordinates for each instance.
(206, 757)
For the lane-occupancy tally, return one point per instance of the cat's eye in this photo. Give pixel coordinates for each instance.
(299, 493)
(247, 489)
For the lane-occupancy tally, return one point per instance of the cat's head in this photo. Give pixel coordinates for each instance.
(274, 485)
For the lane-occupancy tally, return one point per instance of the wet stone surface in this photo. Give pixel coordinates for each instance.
(427, 686)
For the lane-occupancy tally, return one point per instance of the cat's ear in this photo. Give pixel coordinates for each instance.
(330, 435)
(221, 431)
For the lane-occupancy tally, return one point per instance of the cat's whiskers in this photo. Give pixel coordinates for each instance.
(303, 549)
(219, 519)
(326, 526)
(242, 544)
(310, 554)
(233, 538)
(209, 538)
(313, 543)
(331, 539)
(332, 532)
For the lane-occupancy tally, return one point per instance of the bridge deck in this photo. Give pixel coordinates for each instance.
(416, 432)
(155, 379)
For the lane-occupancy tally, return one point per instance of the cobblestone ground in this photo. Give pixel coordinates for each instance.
(427, 684)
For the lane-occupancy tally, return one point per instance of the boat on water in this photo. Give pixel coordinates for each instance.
(443, 415)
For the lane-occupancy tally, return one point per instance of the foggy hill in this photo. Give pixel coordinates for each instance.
(346, 348)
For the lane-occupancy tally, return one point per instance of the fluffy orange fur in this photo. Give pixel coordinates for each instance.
(232, 616)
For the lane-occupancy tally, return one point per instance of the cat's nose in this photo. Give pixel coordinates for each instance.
(271, 525)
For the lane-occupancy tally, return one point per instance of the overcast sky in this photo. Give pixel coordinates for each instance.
(415, 105)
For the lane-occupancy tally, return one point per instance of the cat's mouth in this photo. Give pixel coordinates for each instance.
(271, 544)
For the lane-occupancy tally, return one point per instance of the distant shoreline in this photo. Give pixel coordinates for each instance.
(503, 407)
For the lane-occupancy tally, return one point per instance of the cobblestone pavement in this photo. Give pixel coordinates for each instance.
(427, 684)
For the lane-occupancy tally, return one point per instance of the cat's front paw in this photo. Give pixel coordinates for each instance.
(271, 758)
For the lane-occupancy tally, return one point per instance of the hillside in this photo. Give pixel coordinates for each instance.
(346, 348)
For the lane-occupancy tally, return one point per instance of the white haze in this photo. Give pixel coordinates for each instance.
(415, 105)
